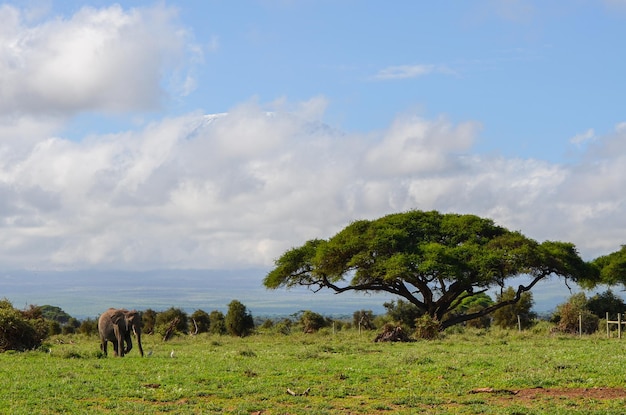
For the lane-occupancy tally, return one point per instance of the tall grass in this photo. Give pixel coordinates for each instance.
(328, 373)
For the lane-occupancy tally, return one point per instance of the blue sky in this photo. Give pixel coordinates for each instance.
(216, 134)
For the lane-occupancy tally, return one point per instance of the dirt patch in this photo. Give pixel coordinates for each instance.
(534, 393)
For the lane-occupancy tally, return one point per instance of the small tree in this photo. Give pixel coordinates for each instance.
(171, 322)
(312, 321)
(507, 317)
(238, 321)
(217, 322)
(202, 321)
(574, 312)
(71, 326)
(88, 327)
(403, 312)
(148, 320)
(607, 302)
(364, 319)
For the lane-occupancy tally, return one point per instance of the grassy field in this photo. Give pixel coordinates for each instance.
(471, 372)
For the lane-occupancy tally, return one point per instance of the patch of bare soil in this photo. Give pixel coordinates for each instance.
(534, 393)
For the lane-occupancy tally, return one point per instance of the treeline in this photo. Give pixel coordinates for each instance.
(27, 329)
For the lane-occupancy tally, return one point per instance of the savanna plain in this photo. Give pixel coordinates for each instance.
(464, 372)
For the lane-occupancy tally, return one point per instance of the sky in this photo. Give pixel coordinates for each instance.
(215, 134)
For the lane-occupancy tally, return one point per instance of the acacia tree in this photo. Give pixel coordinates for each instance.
(435, 261)
(612, 269)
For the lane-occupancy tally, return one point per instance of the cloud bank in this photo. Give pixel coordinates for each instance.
(236, 189)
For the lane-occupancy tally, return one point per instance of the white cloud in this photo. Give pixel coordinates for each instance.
(236, 190)
(581, 138)
(410, 71)
(107, 59)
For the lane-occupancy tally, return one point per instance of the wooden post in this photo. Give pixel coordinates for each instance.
(519, 323)
(619, 325)
(608, 335)
(580, 324)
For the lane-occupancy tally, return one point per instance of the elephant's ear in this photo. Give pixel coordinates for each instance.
(117, 317)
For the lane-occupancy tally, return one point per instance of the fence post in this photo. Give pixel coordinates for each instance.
(519, 323)
(608, 335)
(580, 324)
(619, 325)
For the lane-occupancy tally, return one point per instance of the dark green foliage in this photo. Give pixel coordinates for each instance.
(88, 327)
(54, 313)
(475, 305)
(606, 302)
(238, 321)
(148, 320)
(17, 332)
(364, 319)
(434, 261)
(53, 327)
(71, 326)
(202, 322)
(217, 322)
(611, 269)
(171, 322)
(312, 321)
(403, 312)
(507, 317)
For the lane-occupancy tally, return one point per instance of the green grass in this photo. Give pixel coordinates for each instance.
(344, 373)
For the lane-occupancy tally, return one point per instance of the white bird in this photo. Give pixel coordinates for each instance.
(172, 354)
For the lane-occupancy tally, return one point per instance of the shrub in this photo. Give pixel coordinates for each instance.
(568, 314)
(312, 321)
(426, 328)
(402, 312)
(217, 322)
(88, 327)
(171, 322)
(606, 302)
(17, 332)
(507, 316)
(148, 321)
(202, 321)
(364, 319)
(238, 321)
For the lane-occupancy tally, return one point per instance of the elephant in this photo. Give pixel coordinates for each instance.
(115, 326)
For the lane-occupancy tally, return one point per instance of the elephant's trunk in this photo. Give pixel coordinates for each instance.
(138, 333)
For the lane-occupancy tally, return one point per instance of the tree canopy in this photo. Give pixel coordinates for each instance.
(433, 260)
(612, 268)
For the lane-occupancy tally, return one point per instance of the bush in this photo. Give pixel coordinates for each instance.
(607, 302)
(148, 321)
(426, 328)
(202, 321)
(506, 317)
(403, 312)
(88, 327)
(568, 314)
(171, 322)
(17, 332)
(238, 321)
(217, 322)
(312, 321)
(364, 319)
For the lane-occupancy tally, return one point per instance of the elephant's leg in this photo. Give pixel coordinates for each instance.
(129, 343)
(103, 346)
